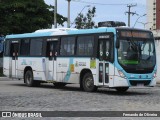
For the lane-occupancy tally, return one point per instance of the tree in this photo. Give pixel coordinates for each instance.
(86, 21)
(22, 16)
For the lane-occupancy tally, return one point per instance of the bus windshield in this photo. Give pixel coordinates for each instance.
(137, 55)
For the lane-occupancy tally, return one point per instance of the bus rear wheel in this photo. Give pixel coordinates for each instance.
(88, 83)
(28, 77)
(122, 89)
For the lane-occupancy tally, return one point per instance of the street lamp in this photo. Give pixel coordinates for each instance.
(83, 8)
(138, 19)
(68, 20)
(55, 14)
(80, 12)
(144, 24)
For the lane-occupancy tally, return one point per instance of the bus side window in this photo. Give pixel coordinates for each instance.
(7, 48)
(67, 47)
(85, 45)
(25, 47)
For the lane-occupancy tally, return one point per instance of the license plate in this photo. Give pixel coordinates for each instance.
(140, 85)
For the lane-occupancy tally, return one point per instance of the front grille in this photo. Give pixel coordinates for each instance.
(135, 82)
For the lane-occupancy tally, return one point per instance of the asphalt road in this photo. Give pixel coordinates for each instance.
(16, 96)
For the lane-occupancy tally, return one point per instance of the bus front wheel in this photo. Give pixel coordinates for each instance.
(88, 83)
(121, 89)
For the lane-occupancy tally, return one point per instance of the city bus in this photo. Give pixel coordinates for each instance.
(113, 57)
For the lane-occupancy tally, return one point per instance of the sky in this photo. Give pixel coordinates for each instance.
(104, 12)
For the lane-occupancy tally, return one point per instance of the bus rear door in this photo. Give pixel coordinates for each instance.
(14, 58)
(51, 56)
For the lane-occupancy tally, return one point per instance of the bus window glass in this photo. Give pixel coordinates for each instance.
(7, 48)
(67, 46)
(51, 49)
(14, 49)
(101, 50)
(85, 45)
(36, 47)
(24, 50)
(107, 50)
(137, 54)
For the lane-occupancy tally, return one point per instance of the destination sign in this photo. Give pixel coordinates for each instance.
(52, 39)
(137, 34)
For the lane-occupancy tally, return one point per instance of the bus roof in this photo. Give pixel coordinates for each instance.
(67, 31)
(56, 32)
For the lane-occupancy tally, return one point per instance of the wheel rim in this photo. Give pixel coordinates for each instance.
(89, 83)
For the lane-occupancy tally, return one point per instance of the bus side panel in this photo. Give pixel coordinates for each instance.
(66, 70)
(69, 69)
(21, 66)
(6, 66)
(38, 66)
(85, 64)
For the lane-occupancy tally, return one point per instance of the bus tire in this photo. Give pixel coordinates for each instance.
(81, 86)
(59, 84)
(122, 89)
(88, 83)
(28, 77)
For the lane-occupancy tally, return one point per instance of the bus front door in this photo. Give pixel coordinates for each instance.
(51, 56)
(104, 45)
(14, 59)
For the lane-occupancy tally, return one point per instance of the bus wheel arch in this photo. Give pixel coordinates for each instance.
(85, 76)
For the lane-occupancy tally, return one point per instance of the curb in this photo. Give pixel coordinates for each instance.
(158, 82)
(4, 79)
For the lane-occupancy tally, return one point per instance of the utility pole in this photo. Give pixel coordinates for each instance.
(68, 21)
(55, 14)
(130, 13)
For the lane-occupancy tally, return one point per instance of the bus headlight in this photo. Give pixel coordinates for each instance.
(121, 73)
(155, 75)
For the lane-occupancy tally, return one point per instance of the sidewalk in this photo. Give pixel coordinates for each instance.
(4, 79)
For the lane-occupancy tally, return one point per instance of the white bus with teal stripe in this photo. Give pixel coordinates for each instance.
(110, 57)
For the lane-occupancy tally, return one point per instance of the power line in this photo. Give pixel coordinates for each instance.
(95, 3)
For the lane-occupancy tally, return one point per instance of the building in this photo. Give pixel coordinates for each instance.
(153, 17)
(153, 24)
(153, 14)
